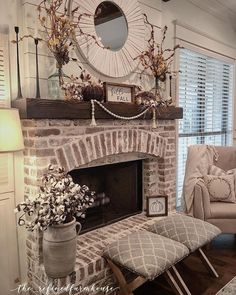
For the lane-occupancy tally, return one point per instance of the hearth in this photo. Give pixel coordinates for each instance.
(119, 192)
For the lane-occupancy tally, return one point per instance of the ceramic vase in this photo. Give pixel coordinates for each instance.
(59, 249)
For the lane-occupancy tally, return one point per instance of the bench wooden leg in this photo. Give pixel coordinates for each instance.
(180, 280)
(125, 288)
(172, 282)
(207, 263)
(128, 288)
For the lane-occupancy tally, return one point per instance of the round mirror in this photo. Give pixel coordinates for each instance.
(111, 25)
(120, 26)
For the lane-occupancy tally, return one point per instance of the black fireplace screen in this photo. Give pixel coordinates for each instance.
(118, 190)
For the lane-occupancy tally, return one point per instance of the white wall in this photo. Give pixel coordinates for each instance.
(191, 15)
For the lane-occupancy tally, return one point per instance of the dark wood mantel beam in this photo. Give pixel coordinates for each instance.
(32, 108)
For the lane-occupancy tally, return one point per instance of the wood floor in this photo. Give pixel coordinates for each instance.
(222, 254)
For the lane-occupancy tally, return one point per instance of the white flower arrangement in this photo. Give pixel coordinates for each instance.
(77, 87)
(59, 201)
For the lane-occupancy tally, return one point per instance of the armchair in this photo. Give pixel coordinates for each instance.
(221, 214)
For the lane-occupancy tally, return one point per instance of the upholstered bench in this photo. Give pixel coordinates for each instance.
(192, 232)
(147, 255)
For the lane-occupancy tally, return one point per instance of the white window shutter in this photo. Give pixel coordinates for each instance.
(8, 236)
(6, 173)
(4, 71)
(6, 160)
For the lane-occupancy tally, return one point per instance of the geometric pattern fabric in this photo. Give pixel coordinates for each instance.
(229, 289)
(145, 253)
(192, 232)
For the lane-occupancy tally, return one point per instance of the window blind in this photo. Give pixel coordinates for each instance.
(206, 96)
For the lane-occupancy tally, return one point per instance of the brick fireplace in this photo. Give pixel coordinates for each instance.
(74, 144)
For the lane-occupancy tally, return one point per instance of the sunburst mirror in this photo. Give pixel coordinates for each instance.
(119, 29)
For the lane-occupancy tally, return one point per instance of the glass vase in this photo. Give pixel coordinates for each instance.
(54, 84)
(156, 89)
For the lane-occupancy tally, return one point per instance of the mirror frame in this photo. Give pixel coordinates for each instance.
(110, 63)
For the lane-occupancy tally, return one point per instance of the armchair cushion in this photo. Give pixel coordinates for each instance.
(222, 210)
(220, 188)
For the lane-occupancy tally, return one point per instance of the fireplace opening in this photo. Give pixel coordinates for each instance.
(119, 192)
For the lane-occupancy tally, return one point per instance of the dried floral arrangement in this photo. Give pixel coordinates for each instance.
(85, 87)
(59, 29)
(62, 29)
(156, 60)
(59, 200)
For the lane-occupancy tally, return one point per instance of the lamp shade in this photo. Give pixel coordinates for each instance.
(11, 138)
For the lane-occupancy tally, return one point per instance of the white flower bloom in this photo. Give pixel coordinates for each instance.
(61, 209)
(59, 197)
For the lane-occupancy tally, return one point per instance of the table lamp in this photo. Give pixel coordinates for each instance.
(11, 138)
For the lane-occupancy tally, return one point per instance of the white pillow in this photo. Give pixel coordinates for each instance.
(214, 170)
(220, 188)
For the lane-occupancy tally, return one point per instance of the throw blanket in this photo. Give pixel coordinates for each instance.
(198, 160)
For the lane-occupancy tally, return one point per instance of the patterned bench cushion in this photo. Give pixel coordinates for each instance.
(229, 289)
(192, 232)
(145, 253)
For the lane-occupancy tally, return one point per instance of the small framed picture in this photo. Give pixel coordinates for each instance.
(157, 206)
(121, 93)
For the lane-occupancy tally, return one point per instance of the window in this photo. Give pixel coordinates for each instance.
(206, 96)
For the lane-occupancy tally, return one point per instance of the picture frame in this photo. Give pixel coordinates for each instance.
(157, 206)
(118, 93)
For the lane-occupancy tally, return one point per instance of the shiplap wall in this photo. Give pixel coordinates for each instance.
(47, 63)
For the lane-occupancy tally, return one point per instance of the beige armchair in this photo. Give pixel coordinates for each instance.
(220, 214)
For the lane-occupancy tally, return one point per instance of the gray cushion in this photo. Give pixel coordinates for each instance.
(145, 253)
(228, 289)
(192, 232)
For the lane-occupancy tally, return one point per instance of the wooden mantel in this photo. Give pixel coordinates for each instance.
(32, 108)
